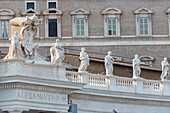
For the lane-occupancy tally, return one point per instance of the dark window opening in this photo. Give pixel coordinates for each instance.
(30, 12)
(51, 5)
(52, 11)
(30, 5)
(52, 24)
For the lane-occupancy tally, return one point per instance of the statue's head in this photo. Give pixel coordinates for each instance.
(57, 40)
(83, 49)
(136, 56)
(165, 59)
(34, 17)
(16, 33)
(109, 53)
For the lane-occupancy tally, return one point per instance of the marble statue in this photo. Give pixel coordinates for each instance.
(29, 31)
(108, 64)
(57, 52)
(165, 69)
(84, 58)
(16, 51)
(136, 67)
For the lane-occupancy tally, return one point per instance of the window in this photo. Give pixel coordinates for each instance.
(111, 27)
(51, 4)
(80, 23)
(80, 27)
(30, 5)
(143, 26)
(4, 28)
(143, 22)
(52, 23)
(168, 14)
(111, 22)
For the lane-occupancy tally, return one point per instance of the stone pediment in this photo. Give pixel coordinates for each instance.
(6, 12)
(111, 11)
(146, 58)
(80, 12)
(30, 12)
(143, 11)
(52, 11)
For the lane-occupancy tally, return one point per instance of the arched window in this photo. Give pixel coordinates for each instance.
(52, 22)
(5, 16)
(111, 22)
(80, 22)
(143, 22)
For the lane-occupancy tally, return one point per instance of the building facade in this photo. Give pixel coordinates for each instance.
(141, 28)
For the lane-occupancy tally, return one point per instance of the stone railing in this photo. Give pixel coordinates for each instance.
(98, 80)
(121, 84)
(74, 76)
(153, 86)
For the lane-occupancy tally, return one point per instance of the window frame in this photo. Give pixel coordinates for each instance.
(143, 13)
(48, 1)
(7, 15)
(168, 18)
(80, 27)
(144, 33)
(112, 13)
(80, 14)
(30, 2)
(9, 31)
(48, 16)
(112, 29)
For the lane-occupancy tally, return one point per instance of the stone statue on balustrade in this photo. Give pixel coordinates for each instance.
(57, 53)
(136, 67)
(84, 58)
(109, 64)
(15, 47)
(165, 69)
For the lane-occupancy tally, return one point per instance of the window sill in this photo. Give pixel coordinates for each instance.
(144, 36)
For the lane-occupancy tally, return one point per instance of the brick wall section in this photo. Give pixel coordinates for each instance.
(96, 24)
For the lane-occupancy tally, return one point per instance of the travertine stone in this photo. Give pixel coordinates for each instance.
(165, 69)
(84, 57)
(108, 64)
(57, 53)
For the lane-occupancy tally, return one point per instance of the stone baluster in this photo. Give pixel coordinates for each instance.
(139, 85)
(165, 86)
(85, 79)
(112, 83)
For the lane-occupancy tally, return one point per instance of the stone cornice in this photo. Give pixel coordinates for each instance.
(119, 100)
(37, 83)
(125, 95)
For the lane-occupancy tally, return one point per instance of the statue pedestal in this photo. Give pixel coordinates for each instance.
(25, 86)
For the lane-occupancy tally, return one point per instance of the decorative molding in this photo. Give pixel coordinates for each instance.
(27, 12)
(148, 60)
(47, 12)
(118, 100)
(111, 11)
(6, 12)
(143, 11)
(80, 11)
(37, 88)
